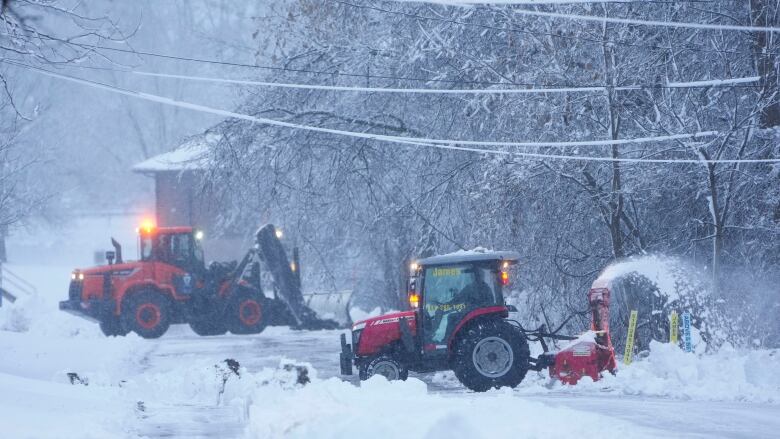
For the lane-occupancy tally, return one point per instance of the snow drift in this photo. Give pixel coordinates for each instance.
(336, 409)
(669, 372)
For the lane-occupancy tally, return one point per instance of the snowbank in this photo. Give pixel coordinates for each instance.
(669, 372)
(42, 409)
(381, 409)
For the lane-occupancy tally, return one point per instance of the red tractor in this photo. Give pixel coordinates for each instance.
(458, 321)
(170, 283)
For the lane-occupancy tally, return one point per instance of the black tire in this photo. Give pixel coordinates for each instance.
(245, 313)
(209, 327)
(490, 354)
(147, 313)
(384, 365)
(112, 327)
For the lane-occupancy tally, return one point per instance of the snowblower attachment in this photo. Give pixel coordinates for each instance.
(591, 353)
(275, 259)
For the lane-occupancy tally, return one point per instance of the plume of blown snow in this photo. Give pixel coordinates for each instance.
(674, 278)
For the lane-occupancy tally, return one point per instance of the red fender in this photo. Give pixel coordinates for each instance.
(500, 309)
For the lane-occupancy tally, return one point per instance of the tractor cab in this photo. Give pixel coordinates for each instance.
(447, 291)
(177, 246)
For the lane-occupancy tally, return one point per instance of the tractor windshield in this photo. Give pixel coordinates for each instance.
(449, 292)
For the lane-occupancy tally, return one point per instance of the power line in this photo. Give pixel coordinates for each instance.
(541, 2)
(535, 90)
(675, 24)
(535, 33)
(432, 143)
(513, 2)
(266, 67)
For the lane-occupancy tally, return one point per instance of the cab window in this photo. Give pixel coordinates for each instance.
(449, 292)
(146, 248)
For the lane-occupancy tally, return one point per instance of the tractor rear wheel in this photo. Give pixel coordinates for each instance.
(244, 313)
(147, 313)
(207, 327)
(112, 327)
(384, 365)
(491, 354)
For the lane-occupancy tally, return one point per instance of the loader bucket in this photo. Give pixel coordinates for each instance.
(276, 262)
(331, 305)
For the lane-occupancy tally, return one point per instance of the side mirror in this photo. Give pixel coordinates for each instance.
(110, 256)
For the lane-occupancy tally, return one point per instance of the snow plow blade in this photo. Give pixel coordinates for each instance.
(275, 259)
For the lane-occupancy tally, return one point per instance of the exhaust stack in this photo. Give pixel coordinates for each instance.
(118, 250)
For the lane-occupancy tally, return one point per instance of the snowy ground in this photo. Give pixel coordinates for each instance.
(180, 387)
(171, 388)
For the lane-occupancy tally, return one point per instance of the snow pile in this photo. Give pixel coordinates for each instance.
(669, 372)
(727, 375)
(210, 384)
(43, 409)
(378, 408)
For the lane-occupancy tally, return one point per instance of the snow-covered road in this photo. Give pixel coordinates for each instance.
(654, 415)
(170, 388)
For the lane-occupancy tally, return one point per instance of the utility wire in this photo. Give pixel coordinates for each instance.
(512, 2)
(541, 2)
(529, 32)
(535, 90)
(432, 143)
(266, 67)
(674, 24)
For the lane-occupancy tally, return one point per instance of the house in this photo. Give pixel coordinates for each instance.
(181, 198)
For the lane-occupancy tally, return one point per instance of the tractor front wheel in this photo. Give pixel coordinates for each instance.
(383, 365)
(491, 354)
(244, 314)
(147, 313)
(112, 327)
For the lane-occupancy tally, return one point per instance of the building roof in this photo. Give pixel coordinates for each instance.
(478, 254)
(190, 155)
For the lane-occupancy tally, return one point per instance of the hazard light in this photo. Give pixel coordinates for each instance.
(147, 225)
(504, 278)
(414, 300)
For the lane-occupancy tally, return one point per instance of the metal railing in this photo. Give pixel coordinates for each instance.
(10, 281)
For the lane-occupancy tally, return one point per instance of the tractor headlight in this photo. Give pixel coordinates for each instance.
(77, 275)
(356, 339)
(357, 329)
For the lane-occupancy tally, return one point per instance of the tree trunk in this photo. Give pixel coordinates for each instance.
(763, 15)
(717, 221)
(616, 195)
